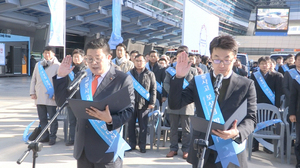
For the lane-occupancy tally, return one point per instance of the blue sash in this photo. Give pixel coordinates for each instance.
(26, 135)
(295, 75)
(158, 85)
(276, 67)
(114, 61)
(226, 149)
(264, 86)
(285, 67)
(71, 75)
(262, 125)
(112, 138)
(46, 81)
(172, 72)
(139, 88)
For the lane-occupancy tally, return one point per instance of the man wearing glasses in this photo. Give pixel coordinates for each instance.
(234, 91)
(90, 146)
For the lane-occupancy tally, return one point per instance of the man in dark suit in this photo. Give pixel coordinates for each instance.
(290, 59)
(294, 109)
(236, 68)
(89, 148)
(159, 72)
(234, 91)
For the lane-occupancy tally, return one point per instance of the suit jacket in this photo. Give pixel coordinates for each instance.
(239, 71)
(287, 84)
(160, 75)
(86, 138)
(280, 69)
(189, 109)
(294, 106)
(147, 80)
(274, 81)
(239, 89)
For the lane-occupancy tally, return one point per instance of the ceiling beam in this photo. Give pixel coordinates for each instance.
(20, 16)
(78, 4)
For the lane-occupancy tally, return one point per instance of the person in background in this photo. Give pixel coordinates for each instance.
(79, 65)
(294, 108)
(167, 58)
(163, 62)
(254, 68)
(147, 57)
(279, 62)
(133, 53)
(143, 104)
(180, 115)
(290, 59)
(41, 90)
(9, 62)
(193, 59)
(236, 68)
(121, 59)
(32, 64)
(200, 65)
(272, 65)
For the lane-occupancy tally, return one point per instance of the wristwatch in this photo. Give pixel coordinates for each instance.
(237, 136)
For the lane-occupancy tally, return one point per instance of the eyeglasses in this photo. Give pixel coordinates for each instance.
(226, 62)
(91, 60)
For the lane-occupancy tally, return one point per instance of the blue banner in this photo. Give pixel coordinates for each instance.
(172, 72)
(285, 67)
(264, 86)
(139, 88)
(295, 75)
(158, 85)
(112, 138)
(71, 75)
(227, 149)
(57, 23)
(116, 37)
(46, 81)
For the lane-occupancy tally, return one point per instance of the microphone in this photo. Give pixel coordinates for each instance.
(77, 80)
(218, 82)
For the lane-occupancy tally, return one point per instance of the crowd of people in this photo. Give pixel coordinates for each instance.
(150, 78)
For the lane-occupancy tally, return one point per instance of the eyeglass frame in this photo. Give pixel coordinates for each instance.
(230, 61)
(97, 60)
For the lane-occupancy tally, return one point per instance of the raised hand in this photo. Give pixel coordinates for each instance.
(65, 67)
(183, 66)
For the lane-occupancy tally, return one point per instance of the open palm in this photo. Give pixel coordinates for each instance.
(183, 66)
(65, 67)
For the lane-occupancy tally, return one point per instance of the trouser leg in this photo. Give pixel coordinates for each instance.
(51, 110)
(174, 120)
(297, 144)
(143, 125)
(72, 123)
(186, 132)
(42, 113)
(131, 130)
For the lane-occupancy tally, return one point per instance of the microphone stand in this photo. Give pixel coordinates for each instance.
(36, 146)
(200, 144)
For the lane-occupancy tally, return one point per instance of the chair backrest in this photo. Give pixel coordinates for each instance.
(267, 112)
(290, 130)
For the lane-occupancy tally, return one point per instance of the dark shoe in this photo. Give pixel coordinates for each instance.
(45, 140)
(185, 155)
(171, 154)
(267, 151)
(254, 149)
(143, 150)
(52, 141)
(70, 143)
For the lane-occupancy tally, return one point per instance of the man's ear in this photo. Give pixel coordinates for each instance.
(109, 57)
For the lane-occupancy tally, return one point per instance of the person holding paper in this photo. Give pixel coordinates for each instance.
(234, 91)
(294, 106)
(95, 139)
(41, 90)
(145, 97)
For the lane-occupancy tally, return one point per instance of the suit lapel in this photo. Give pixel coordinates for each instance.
(232, 84)
(109, 77)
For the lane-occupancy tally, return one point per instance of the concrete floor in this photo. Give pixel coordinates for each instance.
(17, 110)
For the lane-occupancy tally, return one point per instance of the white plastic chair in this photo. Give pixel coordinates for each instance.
(290, 135)
(268, 112)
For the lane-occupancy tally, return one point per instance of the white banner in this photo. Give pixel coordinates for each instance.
(57, 23)
(199, 28)
(2, 54)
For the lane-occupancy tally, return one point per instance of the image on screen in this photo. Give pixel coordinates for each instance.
(272, 19)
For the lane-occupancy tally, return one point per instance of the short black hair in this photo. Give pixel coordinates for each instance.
(134, 52)
(297, 55)
(279, 57)
(100, 43)
(289, 56)
(153, 51)
(139, 55)
(225, 42)
(265, 59)
(49, 48)
(78, 51)
(121, 45)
